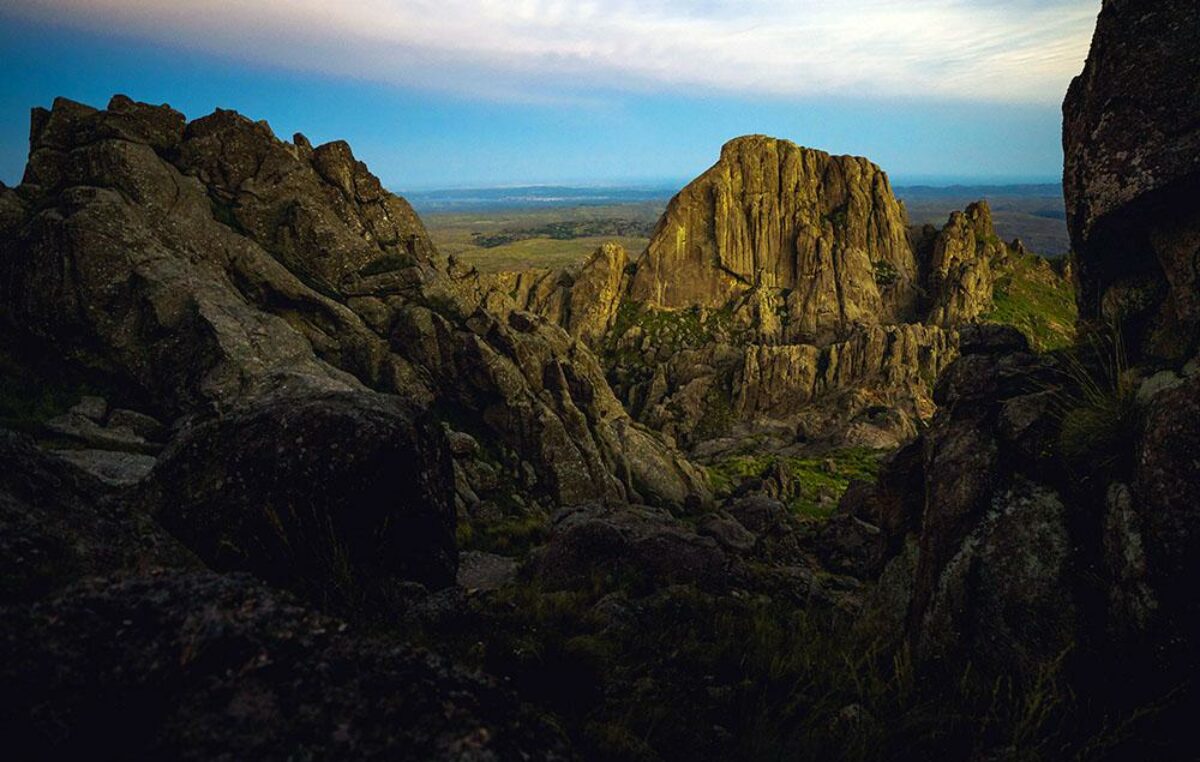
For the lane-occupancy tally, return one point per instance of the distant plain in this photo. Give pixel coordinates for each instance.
(499, 230)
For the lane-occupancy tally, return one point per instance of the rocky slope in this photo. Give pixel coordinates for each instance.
(204, 266)
(301, 392)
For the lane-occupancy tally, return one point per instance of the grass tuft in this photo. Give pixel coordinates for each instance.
(1098, 411)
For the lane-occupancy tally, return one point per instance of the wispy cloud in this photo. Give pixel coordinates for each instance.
(1015, 51)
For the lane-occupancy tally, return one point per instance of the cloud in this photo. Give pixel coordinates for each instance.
(1014, 51)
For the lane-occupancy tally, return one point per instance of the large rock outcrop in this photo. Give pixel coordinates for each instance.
(1132, 173)
(208, 265)
(782, 289)
(963, 262)
(339, 497)
(826, 229)
(991, 530)
(116, 260)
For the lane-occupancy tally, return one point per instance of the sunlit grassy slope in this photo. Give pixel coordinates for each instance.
(817, 482)
(1036, 301)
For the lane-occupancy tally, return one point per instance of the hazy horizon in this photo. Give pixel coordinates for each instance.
(478, 93)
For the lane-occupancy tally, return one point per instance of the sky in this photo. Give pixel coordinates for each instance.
(479, 93)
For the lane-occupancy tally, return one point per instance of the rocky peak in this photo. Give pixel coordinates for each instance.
(236, 158)
(825, 229)
(779, 279)
(960, 277)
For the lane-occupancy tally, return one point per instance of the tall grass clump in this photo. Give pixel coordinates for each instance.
(1099, 414)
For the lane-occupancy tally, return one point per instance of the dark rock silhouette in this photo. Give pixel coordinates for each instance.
(1132, 168)
(1051, 511)
(202, 666)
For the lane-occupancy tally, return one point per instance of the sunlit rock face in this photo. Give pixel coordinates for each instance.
(962, 268)
(826, 229)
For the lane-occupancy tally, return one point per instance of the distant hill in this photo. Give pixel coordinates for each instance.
(532, 197)
(1033, 213)
(978, 191)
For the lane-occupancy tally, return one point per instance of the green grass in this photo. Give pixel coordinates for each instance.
(511, 535)
(669, 330)
(567, 230)
(719, 416)
(819, 481)
(986, 240)
(537, 253)
(1038, 302)
(1099, 417)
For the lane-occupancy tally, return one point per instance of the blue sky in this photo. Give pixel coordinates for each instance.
(462, 93)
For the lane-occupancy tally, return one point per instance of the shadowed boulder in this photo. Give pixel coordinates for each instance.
(338, 497)
(58, 523)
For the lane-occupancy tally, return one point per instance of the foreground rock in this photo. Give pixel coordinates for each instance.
(338, 497)
(1131, 176)
(115, 640)
(201, 666)
(59, 523)
(992, 531)
(638, 545)
(1047, 533)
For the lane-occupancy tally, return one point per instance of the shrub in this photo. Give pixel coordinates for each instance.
(885, 273)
